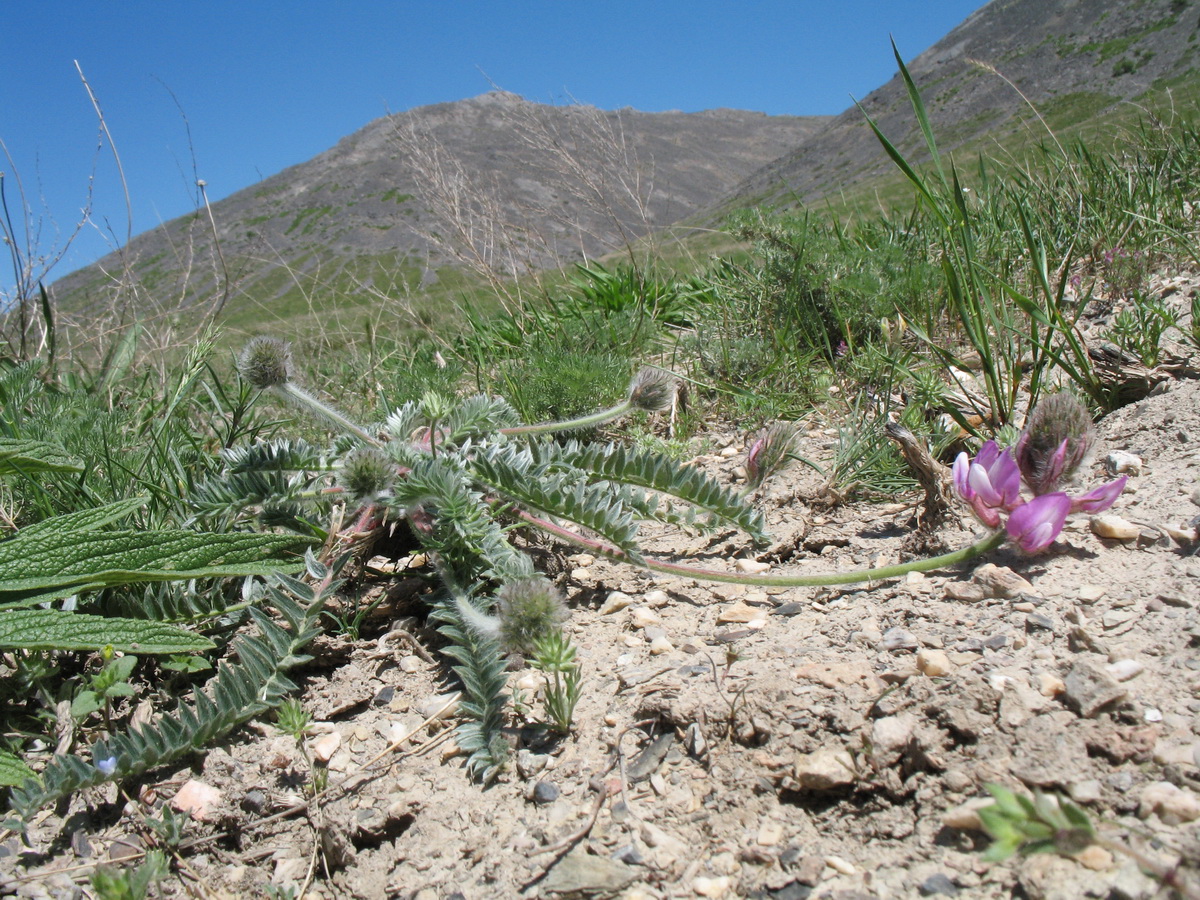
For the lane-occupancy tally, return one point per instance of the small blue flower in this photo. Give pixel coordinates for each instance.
(107, 766)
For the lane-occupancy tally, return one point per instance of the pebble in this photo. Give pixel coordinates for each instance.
(197, 799)
(751, 566)
(741, 614)
(898, 639)
(660, 645)
(1090, 593)
(711, 887)
(1174, 805)
(770, 833)
(1121, 462)
(841, 866)
(957, 781)
(1095, 858)
(1089, 689)
(1125, 669)
(385, 695)
(890, 736)
(938, 883)
(545, 792)
(824, 770)
(657, 599)
(411, 664)
(964, 592)
(615, 602)
(1087, 791)
(641, 616)
(530, 763)
(965, 817)
(325, 746)
(934, 663)
(1113, 527)
(581, 873)
(439, 704)
(1000, 582)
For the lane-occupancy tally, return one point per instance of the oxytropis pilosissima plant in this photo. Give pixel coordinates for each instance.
(465, 472)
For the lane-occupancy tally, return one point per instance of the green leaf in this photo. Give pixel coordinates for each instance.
(84, 519)
(49, 560)
(187, 665)
(19, 456)
(13, 770)
(85, 703)
(55, 629)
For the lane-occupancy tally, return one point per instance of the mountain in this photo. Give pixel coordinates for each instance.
(1076, 61)
(493, 181)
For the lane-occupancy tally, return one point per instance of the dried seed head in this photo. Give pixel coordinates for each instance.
(653, 390)
(365, 474)
(528, 609)
(1057, 438)
(266, 362)
(769, 454)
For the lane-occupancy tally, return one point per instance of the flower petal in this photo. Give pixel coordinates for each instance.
(962, 466)
(1100, 498)
(981, 484)
(1033, 526)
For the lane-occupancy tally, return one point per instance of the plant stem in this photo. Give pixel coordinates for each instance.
(605, 415)
(298, 395)
(979, 548)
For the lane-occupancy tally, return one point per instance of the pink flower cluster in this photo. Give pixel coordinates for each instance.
(991, 484)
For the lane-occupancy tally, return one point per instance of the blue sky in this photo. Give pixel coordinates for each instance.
(264, 85)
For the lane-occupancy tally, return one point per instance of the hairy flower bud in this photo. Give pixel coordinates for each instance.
(770, 453)
(528, 609)
(365, 474)
(266, 362)
(653, 390)
(1056, 440)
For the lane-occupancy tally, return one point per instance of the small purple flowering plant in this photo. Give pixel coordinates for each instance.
(1056, 440)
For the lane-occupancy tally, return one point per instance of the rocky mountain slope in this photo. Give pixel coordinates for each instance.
(506, 182)
(1075, 60)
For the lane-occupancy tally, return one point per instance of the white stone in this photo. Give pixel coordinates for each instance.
(325, 746)
(660, 645)
(1121, 462)
(1125, 669)
(751, 566)
(1174, 805)
(643, 616)
(933, 663)
(615, 602)
(711, 887)
(1114, 528)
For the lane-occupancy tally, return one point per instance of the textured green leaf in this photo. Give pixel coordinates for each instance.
(13, 770)
(18, 455)
(84, 519)
(55, 629)
(123, 557)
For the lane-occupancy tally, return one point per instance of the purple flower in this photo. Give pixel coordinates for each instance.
(991, 482)
(107, 766)
(1033, 526)
(1100, 498)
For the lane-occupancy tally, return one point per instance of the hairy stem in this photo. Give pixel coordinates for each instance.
(599, 418)
(986, 545)
(298, 395)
